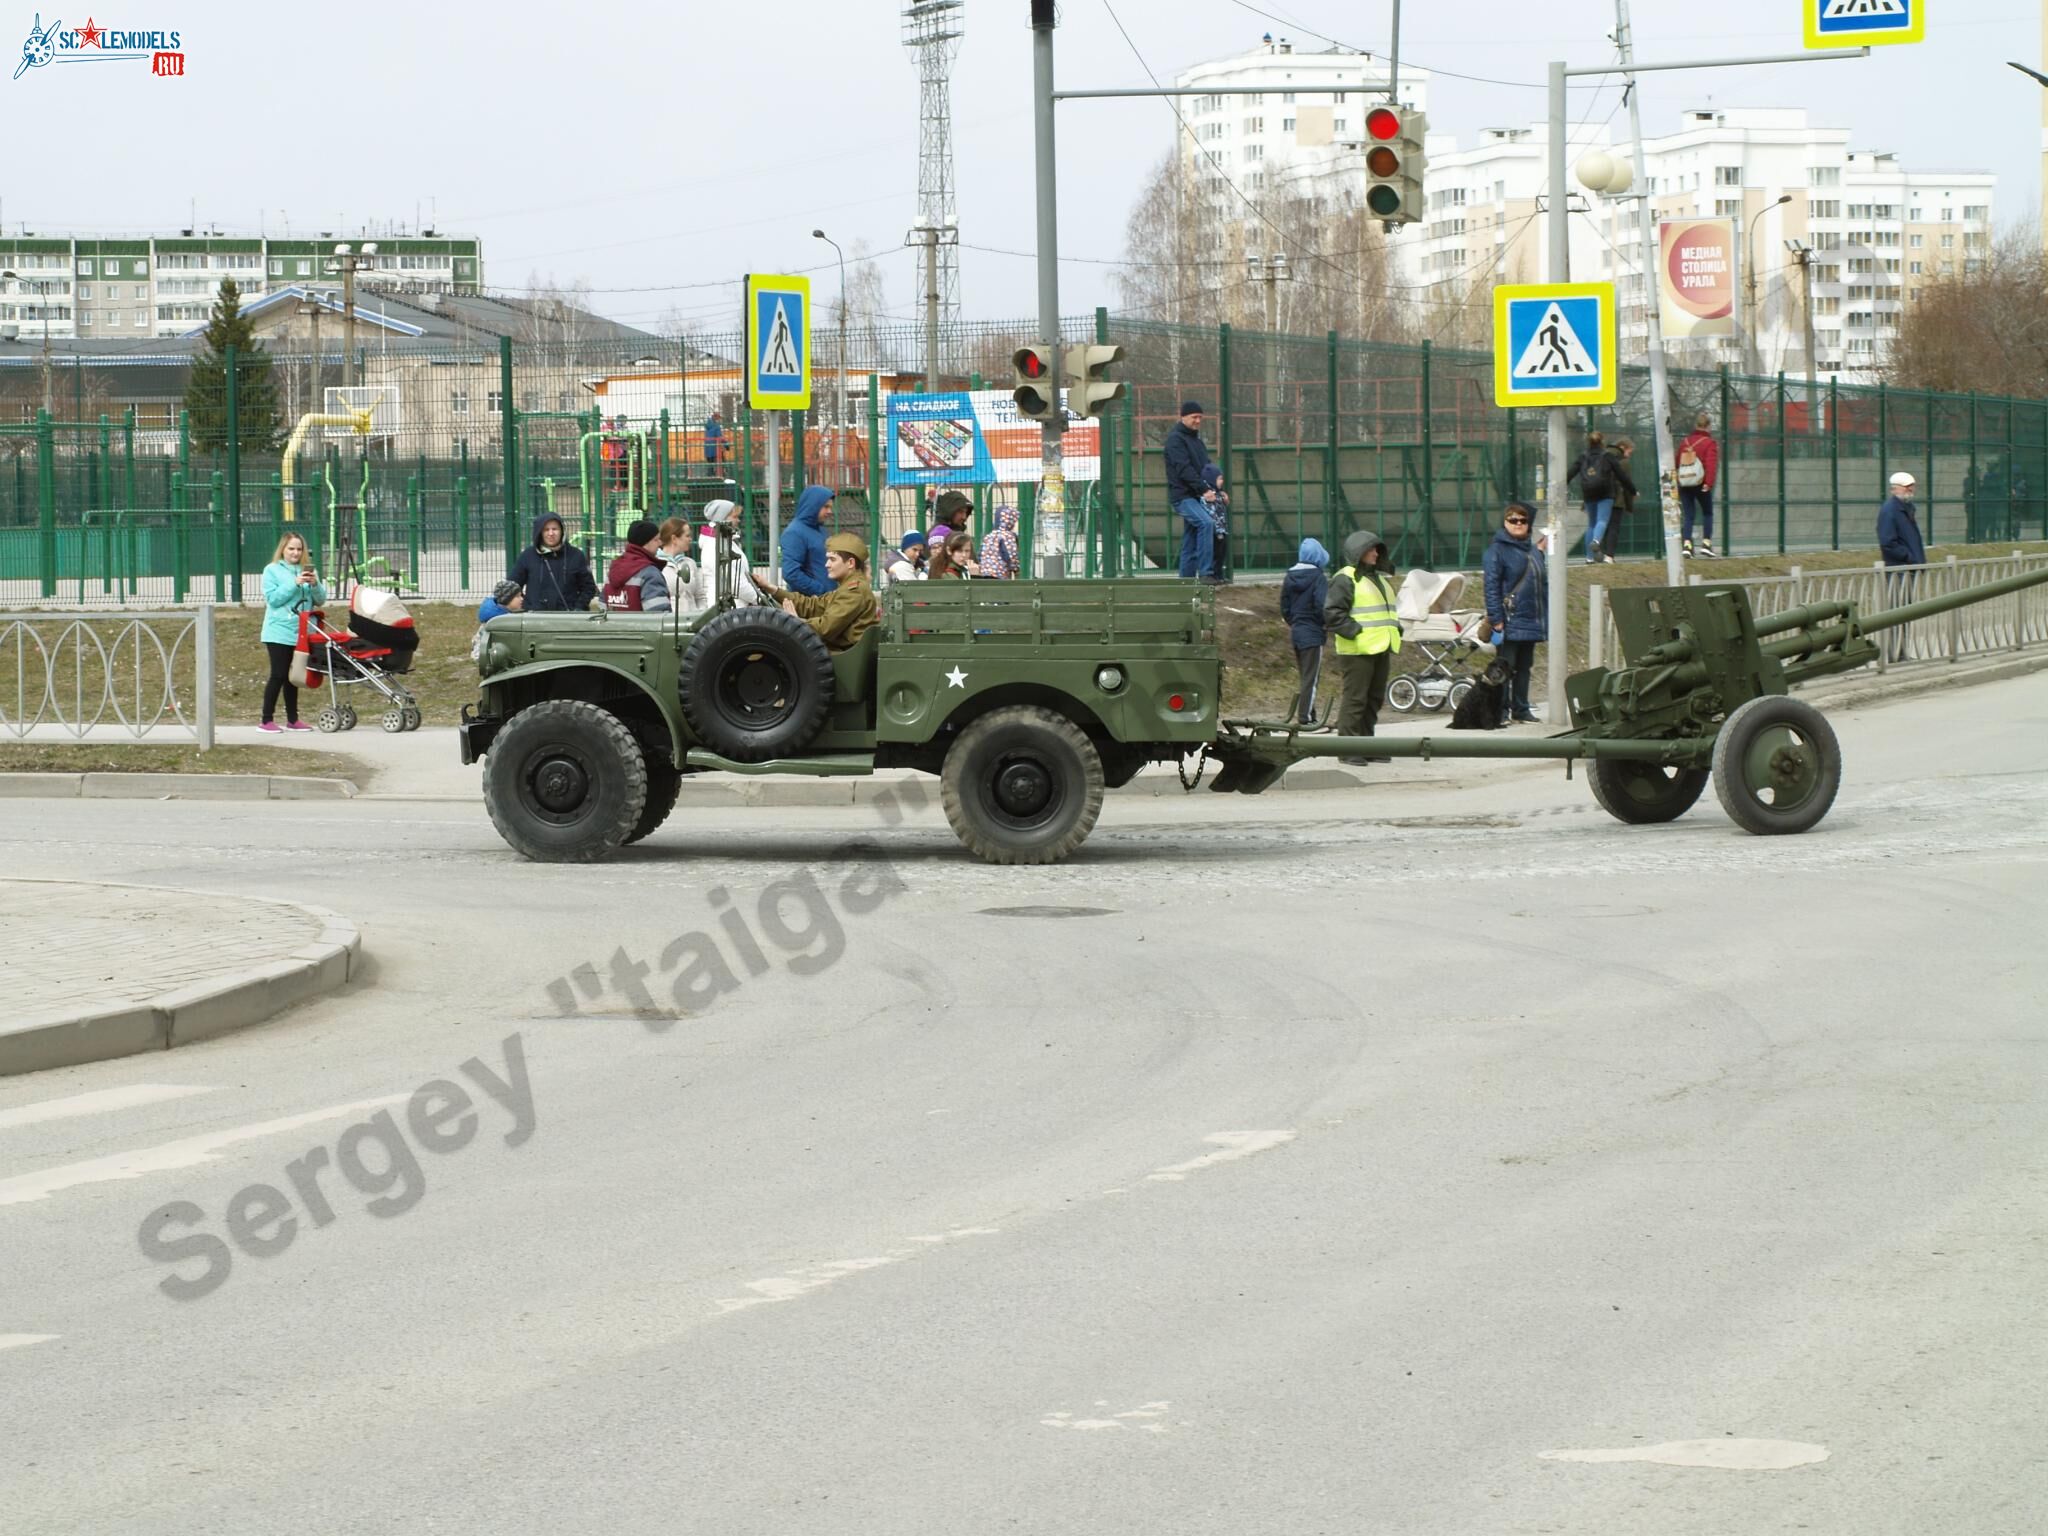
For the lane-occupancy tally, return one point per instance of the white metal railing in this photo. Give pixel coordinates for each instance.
(142, 675)
(2008, 623)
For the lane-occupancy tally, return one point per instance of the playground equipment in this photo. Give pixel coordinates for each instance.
(632, 458)
(348, 536)
(357, 422)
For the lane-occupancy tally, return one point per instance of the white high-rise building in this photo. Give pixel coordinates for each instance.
(1311, 131)
(1876, 231)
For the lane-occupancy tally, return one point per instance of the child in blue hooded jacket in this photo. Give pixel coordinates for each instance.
(1303, 591)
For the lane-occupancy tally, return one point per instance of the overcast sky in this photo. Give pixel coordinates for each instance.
(668, 147)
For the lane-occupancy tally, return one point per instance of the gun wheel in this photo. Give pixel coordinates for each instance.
(1022, 786)
(1777, 765)
(1642, 794)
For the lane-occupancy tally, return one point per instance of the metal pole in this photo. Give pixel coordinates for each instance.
(1050, 505)
(348, 300)
(234, 429)
(44, 288)
(1559, 271)
(774, 491)
(1806, 289)
(1660, 389)
(931, 311)
(1394, 57)
(202, 676)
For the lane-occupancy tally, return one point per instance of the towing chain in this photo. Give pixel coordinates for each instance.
(1201, 765)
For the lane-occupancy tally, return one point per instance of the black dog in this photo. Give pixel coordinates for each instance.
(1484, 703)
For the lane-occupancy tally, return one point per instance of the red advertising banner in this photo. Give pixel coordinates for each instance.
(1696, 277)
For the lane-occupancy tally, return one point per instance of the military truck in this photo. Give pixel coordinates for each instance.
(1028, 699)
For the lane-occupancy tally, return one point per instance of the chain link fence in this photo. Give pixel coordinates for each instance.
(423, 464)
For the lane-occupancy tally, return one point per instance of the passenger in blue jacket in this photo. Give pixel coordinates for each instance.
(1303, 590)
(1192, 485)
(1517, 606)
(803, 544)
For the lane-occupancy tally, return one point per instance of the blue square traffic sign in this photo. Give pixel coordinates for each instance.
(1554, 344)
(1853, 23)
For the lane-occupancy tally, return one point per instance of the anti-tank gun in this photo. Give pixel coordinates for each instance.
(1703, 691)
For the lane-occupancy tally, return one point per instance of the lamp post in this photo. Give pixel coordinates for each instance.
(841, 423)
(42, 289)
(1803, 254)
(348, 262)
(1756, 351)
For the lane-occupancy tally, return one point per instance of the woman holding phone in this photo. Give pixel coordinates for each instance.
(290, 588)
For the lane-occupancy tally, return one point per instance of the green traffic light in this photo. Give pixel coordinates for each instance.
(1385, 202)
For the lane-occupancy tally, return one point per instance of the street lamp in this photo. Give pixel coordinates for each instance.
(819, 234)
(1803, 254)
(43, 290)
(347, 263)
(1756, 351)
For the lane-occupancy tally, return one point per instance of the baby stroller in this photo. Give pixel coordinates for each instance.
(373, 652)
(1451, 639)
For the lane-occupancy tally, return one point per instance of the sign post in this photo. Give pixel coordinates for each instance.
(778, 341)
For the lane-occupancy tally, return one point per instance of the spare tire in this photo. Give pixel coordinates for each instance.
(756, 683)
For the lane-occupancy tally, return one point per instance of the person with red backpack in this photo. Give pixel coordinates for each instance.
(1699, 457)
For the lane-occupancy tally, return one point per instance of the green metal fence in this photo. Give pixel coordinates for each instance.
(119, 495)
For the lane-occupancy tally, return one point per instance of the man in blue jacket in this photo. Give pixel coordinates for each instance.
(803, 544)
(1898, 539)
(554, 574)
(1192, 485)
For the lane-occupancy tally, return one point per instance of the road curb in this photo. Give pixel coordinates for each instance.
(172, 786)
(1929, 677)
(231, 1001)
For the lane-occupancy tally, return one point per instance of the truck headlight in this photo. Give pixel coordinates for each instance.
(1109, 679)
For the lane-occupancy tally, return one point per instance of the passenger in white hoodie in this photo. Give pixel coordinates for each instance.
(703, 589)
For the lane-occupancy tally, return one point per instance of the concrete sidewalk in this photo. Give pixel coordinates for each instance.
(97, 971)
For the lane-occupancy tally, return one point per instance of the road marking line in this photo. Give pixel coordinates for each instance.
(1732, 1454)
(188, 1153)
(99, 1102)
(17, 1340)
(1235, 1144)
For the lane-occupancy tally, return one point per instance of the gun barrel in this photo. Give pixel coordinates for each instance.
(1891, 618)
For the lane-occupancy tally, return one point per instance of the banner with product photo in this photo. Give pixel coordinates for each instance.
(975, 438)
(1696, 277)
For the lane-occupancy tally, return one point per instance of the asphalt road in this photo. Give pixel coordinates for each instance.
(1314, 1163)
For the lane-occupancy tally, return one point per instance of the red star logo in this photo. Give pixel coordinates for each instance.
(89, 35)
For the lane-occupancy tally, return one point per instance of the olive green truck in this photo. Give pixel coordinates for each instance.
(1029, 698)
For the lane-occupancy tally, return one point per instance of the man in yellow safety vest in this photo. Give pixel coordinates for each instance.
(1360, 613)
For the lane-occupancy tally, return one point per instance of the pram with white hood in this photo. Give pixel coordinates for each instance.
(1452, 641)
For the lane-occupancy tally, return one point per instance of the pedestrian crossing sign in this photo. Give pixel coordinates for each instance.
(778, 317)
(1852, 23)
(1554, 344)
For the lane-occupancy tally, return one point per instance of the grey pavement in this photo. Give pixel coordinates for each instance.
(97, 969)
(1299, 1163)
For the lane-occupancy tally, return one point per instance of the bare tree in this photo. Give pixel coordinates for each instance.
(1983, 330)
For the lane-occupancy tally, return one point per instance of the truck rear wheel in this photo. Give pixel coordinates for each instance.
(1642, 794)
(565, 782)
(756, 683)
(1022, 786)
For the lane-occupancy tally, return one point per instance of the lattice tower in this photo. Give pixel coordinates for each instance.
(932, 30)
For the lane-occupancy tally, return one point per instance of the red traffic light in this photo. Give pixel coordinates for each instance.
(1030, 364)
(1383, 123)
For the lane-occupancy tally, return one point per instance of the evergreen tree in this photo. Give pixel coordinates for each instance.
(206, 394)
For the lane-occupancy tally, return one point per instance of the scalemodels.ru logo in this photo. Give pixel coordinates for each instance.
(93, 43)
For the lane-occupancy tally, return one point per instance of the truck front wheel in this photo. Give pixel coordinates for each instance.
(1022, 786)
(565, 782)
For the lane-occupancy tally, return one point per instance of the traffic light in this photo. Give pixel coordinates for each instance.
(1036, 394)
(1394, 163)
(1090, 391)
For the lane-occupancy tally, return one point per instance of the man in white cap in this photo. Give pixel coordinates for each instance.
(1898, 539)
(739, 581)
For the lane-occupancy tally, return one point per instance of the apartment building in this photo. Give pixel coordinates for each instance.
(113, 290)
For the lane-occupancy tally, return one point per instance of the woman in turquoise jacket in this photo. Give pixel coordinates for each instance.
(289, 589)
